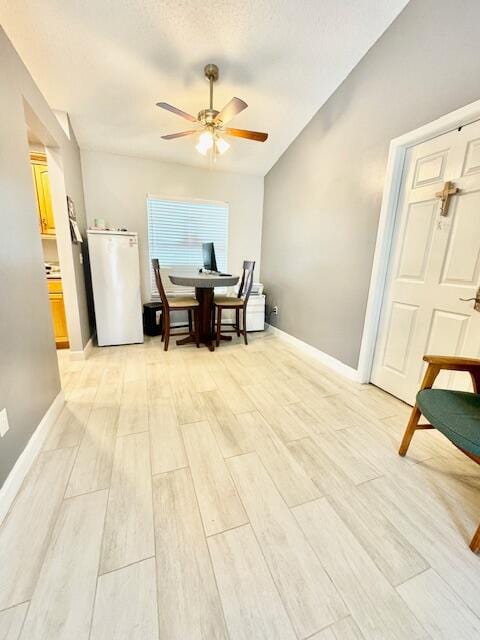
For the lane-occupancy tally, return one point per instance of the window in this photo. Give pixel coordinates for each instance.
(177, 229)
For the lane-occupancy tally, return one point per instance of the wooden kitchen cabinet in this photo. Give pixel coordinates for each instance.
(42, 191)
(59, 319)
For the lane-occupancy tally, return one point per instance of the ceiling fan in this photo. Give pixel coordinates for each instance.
(212, 122)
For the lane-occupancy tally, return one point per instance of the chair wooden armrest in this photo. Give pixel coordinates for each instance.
(453, 363)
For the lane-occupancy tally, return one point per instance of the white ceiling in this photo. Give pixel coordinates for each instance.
(107, 62)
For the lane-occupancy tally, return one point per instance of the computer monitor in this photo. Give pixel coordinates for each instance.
(209, 260)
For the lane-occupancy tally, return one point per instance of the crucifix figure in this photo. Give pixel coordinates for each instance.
(449, 189)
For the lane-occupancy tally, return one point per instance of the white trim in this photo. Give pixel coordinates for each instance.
(14, 480)
(391, 191)
(329, 361)
(68, 253)
(84, 353)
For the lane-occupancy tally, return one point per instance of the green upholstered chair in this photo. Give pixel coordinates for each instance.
(456, 414)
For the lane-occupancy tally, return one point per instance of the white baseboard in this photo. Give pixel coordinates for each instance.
(16, 476)
(83, 353)
(329, 361)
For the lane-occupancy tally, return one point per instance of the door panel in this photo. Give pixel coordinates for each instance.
(402, 323)
(472, 158)
(48, 213)
(59, 320)
(435, 261)
(446, 332)
(44, 198)
(446, 335)
(417, 241)
(430, 169)
(462, 258)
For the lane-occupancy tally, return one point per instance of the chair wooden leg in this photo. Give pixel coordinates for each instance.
(190, 327)
(166, 331)
(244, 330)
(219, 324)
(475, 375)
(427, 383)
(237, 321)
(196, 320)
(475, 542)
(410, 430)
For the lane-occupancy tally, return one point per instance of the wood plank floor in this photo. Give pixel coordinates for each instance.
(245, 494)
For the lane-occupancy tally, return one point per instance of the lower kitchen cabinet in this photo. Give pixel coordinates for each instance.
(59, 319)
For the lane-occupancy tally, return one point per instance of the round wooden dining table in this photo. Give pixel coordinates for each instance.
(204, 284)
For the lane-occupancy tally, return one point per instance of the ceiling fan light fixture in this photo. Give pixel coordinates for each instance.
(221, 145)
(205, 143)
(213, 122)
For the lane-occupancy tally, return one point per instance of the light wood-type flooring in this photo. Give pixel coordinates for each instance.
(246, 494)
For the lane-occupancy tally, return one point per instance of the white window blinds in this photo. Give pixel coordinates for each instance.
(176, 231)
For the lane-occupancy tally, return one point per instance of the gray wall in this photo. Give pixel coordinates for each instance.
(29, 379)
(116, 189)
(322, 198)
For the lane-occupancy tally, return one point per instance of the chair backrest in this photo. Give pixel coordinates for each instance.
(247, 280)
(158, 280)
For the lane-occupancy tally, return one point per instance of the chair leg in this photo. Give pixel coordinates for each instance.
(166, 331)
(219, 324)
(244, 314)
(427, 383)
(410, 430)
(196, 320)
(190, 327)
(475, 542)
(162, 324)
(237, 321)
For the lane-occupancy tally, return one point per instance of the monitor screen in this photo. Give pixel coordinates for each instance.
(209, 260)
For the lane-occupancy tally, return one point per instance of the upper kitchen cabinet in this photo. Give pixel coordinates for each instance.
(42, 191)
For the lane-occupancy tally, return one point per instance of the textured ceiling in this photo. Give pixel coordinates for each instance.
(106, 62)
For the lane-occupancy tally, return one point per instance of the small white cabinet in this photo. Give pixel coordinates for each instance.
(256, 313)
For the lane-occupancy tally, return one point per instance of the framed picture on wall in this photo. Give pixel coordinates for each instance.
(71, 209)
(72, 218)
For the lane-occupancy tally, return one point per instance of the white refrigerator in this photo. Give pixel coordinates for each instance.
(114, 265)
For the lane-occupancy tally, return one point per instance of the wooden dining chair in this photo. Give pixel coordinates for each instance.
(176, 303)
(238, 302)
(456, 414)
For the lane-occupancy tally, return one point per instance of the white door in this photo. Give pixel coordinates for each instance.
(435, 261)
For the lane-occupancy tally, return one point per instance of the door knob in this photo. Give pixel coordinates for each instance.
(476, 306)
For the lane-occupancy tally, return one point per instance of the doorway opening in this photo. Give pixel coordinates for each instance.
(391, 205)
(48, 235)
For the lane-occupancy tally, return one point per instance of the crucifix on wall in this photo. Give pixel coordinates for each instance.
(449, 189)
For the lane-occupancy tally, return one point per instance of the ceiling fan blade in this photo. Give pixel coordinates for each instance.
(181, 134)
(258, 136)
(230, 110)
(179, 112)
